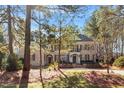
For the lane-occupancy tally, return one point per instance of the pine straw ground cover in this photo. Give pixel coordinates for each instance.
(65, 79)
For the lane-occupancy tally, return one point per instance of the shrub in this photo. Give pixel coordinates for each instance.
(13, 64)
(1, 59)
(21, 60)
(119, 62)
(3, 65)
(53, 65)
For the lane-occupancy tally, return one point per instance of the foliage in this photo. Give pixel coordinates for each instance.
(91, 28)
(21, 60)
(3, 64)
(105, 27)
(13, 64)
(53, 66)
(119, 62)
(74, 80)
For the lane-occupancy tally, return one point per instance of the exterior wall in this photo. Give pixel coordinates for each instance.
(80, 54)
(35, 62)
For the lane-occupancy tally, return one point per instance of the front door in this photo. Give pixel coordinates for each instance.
(74, 58)
(49, 60)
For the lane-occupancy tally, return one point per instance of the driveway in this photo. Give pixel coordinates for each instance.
(121, 72)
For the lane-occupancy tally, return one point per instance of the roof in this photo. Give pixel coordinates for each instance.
(82, 37)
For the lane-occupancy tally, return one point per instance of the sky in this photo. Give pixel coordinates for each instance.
(80, 22)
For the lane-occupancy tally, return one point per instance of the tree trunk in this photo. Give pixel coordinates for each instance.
(1, 61)
(122, 46)
(9, 30)
(106, 54)
(41, 60)
(26, 67)
(59, 44)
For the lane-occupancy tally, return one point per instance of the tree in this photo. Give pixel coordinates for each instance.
(9, 30)
(3, 48)
(100, 29)
(65, 16)
(26, 67)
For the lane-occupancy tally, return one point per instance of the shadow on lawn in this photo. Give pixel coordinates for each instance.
(73, 81)
(9, 77)
(24, 79)
(87, 80)
(68, 80)
(104, 80)
(8, 86)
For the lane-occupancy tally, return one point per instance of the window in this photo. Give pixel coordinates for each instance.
(93, 57)
(87, 57)
(55, 57)
(17, 50)
(33, 57)
(80, 47)
(92, 47)
(51, 47)
(81, 57)
(87, 47)
(73, 47)
(77, 47)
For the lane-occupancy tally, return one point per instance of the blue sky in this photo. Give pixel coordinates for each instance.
(80, 22)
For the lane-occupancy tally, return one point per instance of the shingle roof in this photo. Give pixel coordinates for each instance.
(82, 37)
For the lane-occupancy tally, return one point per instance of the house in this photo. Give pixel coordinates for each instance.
(83, 50)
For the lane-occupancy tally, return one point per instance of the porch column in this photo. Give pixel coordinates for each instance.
(70, 58)
(53, 57)
(43, 60)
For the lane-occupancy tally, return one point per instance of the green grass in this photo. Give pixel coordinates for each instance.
(9, 86)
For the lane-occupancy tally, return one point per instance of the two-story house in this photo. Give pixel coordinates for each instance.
(83, 50)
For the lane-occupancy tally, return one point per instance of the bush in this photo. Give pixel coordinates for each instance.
(1, 60)
(119, 62)
(3, 65)
(21, 60)
(13, 64)
(53, 65)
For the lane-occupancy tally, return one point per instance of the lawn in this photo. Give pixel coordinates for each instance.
(68, 79)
